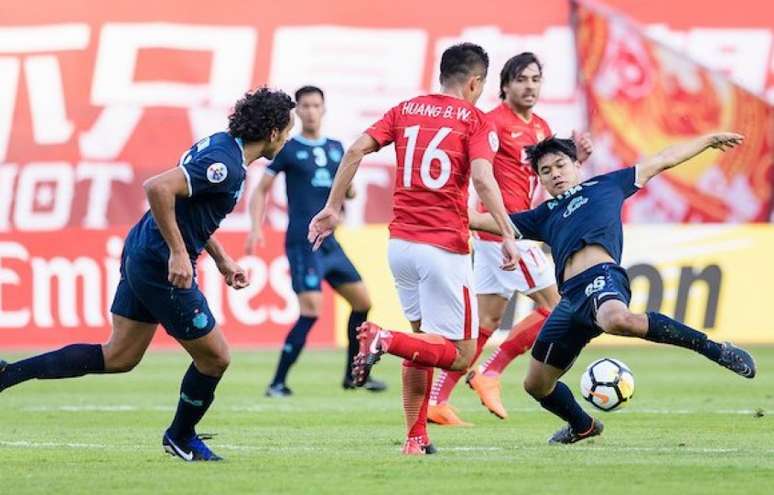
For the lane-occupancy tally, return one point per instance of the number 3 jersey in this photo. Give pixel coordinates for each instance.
(436, 137)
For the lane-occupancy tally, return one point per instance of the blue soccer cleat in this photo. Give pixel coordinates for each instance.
(191, 449)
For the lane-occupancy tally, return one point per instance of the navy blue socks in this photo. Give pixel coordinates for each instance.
(665, 330)
(563, 404)
(197, 391)
(68, 362)
(294, 344)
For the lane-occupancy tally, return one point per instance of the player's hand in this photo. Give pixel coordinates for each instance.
(322, 225)
(234, 274)
(511, 255)
(254, 239)
(724, 141)
(583, 144)
(180, 270)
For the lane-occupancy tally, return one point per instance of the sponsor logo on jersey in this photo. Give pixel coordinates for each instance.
(595, 286)
(216, 173)
(574, 205)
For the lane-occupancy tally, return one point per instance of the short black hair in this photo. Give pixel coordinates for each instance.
(550, 145)
(461, 60)
(308, 90)
(258, 112)
(515, 66)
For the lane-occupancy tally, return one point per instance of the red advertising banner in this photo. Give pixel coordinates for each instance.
(642, 96)
(56, 289)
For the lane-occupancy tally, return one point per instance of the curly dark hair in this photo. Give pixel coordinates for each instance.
(258, 112)
(514, 67)
(550, 145)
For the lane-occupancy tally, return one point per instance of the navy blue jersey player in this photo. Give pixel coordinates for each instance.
(309, 162)
(158, 275)
(582, 224)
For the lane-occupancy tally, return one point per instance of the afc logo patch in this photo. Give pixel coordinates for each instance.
(216, 173)
(494, 141)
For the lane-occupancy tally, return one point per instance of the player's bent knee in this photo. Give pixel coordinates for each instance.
(621, 323)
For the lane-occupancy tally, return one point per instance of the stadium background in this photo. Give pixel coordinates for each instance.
(95, 98)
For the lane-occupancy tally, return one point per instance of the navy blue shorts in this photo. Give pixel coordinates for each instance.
(309, 268)
(144, 294)
(573, 323)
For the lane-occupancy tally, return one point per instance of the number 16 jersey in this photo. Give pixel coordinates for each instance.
(436, 137)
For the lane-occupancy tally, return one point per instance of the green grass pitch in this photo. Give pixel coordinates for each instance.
(692, 427)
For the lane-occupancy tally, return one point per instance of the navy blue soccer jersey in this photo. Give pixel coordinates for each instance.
(215, 170)
(309, 167)
(589, 213)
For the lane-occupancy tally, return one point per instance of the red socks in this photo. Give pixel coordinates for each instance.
(447, 380)
(519, 341)
(421, 349)
(417, 382)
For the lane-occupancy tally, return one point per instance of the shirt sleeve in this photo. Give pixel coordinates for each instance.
(528, 223)
(483, 141)
(383, 130)
(278, 164)
(210, 171)
(625, 180)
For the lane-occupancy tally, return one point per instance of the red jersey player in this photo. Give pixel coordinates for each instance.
(517, 127)
(441, 142)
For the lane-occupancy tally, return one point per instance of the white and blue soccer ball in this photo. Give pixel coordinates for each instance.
(608, 384)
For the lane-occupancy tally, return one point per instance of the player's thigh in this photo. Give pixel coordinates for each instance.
(356, 294)
(547, 297)
(614, 317)
(562, 337)
(490, 310)
(184, 313)
(306, 271)
(446, 301)
(403, 266)
(342, 275)
(210, 352)
(309, 303)
(128, 342)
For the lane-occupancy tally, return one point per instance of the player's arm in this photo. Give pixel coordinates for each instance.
(162, 191)
(257, 211)
(676, 154)
(350, 192)
(233, 273)
(489, 192)
(323, 224)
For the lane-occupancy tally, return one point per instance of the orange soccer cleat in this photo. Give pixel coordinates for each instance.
(445, 415)
(488, 390)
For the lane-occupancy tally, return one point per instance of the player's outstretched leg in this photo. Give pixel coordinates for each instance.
(440, 411)
(68, 362)
(542, 383)
(197, 392)
(666, 330)
(615, 318)
(125, 349)
(294, 344)
(422, 349)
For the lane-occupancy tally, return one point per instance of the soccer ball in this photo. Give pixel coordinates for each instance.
(608, 384)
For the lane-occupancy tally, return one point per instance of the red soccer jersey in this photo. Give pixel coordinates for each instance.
(436, 137)
(512, 171)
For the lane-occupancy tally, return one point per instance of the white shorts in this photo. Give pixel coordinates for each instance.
(435, 286)
(535, 270)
